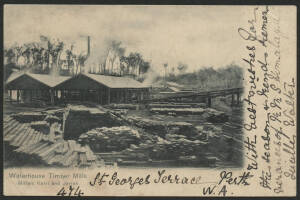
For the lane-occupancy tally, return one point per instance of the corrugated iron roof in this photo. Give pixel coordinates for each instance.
(14, 76)
(115, 81)
(49, 80)
(109, 81)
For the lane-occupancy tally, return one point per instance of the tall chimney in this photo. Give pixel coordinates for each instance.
(88, 46)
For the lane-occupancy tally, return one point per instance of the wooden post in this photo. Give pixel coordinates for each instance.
(62, 94)
(18, 96)
(139, 95)
(148, 93)
(209, 102)
(129, 96)
(101, 95)
(125, 95)
(108, 95)
(118, 95)
(238, 98)
(52, 96)
(232, 99)
(30, 95)
(121, 95)
(10, 94)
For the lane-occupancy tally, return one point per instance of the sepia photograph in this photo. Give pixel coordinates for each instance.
(143, 87)
(91, 99)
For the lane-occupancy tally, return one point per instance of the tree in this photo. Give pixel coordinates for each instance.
(124, 64)
(171, 75)
(134, 62)
(182, 67)
(45, 55)
(69, 57)
(144, 67)
(114, 53)
(10, 55)
(55, 49)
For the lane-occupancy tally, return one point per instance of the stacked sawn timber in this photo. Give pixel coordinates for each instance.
(17, 134)
(172, 147)
(60, 153)
(209, 114)
(110, 139)
(42, 148)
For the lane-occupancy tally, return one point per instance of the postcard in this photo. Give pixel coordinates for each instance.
(149, 100)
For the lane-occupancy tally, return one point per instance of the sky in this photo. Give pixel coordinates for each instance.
(196, 35)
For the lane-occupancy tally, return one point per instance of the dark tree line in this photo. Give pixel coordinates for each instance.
(133, 64)
(205, 78)
(44, 57)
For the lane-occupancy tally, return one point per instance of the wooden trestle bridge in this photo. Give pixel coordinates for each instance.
(208, 95)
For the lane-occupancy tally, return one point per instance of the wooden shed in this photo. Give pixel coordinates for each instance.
(102, 89)
(26, 87)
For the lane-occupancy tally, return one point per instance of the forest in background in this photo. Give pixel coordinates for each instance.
(51, 55)
(206, 78)
(55, 56)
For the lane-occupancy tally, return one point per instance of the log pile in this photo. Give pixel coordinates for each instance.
(17, 134)
(161, 128)
(110, 139)
(25, 144)
(171, 148)
(59, 153)
(178, 111)
(123, 106)
(177, 105)
(209, 114)
(103, 130)
(207, 131)
(215, 116)
(27, 117)
(151, 126)
(53, 119)
(41, 126)
(55, 112)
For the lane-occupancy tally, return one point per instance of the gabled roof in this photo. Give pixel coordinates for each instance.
(14, 76)
(115, 81)
(49, 80)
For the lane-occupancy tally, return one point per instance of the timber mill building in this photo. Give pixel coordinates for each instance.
(26, 87)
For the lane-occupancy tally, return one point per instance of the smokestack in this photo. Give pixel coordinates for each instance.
(88, 46)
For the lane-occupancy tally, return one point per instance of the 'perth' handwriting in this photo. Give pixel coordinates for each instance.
(162, 177)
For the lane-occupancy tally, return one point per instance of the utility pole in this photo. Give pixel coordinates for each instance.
(165, 79)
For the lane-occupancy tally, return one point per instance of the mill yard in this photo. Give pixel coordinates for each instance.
(92, 121)
(63, 109)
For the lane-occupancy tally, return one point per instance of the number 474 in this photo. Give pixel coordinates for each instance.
(70, 191)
